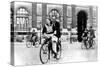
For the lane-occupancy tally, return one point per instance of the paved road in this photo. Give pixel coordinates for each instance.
(70, 53)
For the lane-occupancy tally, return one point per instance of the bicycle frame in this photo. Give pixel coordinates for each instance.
(48, 46)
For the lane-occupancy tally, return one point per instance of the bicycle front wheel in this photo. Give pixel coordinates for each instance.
(44, 54)
(28, 44)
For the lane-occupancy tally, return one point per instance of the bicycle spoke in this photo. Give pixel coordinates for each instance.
(28, 44)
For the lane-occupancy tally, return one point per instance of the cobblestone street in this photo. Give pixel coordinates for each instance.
(70, 53)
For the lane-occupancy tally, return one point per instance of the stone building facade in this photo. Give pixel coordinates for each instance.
(27, 15)
(36, 13)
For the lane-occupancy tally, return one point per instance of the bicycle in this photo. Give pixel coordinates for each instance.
(92, 43)
(46, 50)
(30, 42)
(89, 43)
(85, 43)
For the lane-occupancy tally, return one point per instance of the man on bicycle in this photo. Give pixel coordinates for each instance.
(56, 25)
(92, 35)
(51, 28)
(34, 36)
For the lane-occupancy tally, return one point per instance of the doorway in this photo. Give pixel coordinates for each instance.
(81, 23)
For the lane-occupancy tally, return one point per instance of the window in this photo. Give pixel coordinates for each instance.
(95, 17)
(39, 15)
(69, 16)
(22, 19)
(54, 13)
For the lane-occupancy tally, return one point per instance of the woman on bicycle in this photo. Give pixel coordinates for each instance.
(85, 37)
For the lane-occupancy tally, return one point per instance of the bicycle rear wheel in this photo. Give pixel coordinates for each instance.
(44, 54)
(59, 51)
(93, 44)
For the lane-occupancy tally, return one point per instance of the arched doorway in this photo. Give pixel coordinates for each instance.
(81, 23)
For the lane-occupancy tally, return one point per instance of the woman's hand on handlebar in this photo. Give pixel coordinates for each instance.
(47, 35)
